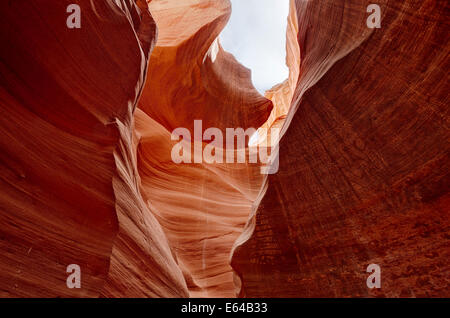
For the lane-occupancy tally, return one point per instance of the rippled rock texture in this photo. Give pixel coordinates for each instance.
(87, 178)
(364, 160)
(69, 183)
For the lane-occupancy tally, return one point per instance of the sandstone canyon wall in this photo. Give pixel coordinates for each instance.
(202, 207)
(69, 191)
(364, 160)
(87, 178)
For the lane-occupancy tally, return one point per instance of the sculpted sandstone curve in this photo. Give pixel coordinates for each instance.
(201, 207)
(191, 77)
(87, 174)
(363, 161)
(67, 98)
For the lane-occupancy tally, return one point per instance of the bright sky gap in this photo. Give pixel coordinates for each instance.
(256, 36)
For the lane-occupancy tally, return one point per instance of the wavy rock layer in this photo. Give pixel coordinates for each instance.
(363, 162)
(191, 77)
(281, 95)
(87, 178)
(202, 208)
(67, 170)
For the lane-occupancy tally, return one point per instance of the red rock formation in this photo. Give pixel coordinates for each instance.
(67, 169)
(363, 163)
(281, 95)
(202, 207)
(102, 217)
(191, 77)
(87, 178)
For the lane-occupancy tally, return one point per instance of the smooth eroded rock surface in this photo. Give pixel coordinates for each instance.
(87, 175)
(363, 163)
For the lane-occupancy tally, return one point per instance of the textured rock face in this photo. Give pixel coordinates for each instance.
(364, 162)
(191, 77)
(83, 185)
(68, 176)
(87, 178)
(202, 207)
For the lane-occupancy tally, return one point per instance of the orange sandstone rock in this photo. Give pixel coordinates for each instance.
(87, 178)
(67, 180)
(363, 161)
(203, 208)
(191, 77)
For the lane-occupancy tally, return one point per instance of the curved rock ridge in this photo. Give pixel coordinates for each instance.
(66, 101)
(87, 175)
(201, 207)
(364, 160)
(97, 189)
(281, 94)
(191, 77)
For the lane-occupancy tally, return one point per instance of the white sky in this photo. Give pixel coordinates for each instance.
(256, 36)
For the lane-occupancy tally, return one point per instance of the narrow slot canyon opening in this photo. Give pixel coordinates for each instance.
(125, 170)
(256, 36)
(203, 207)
